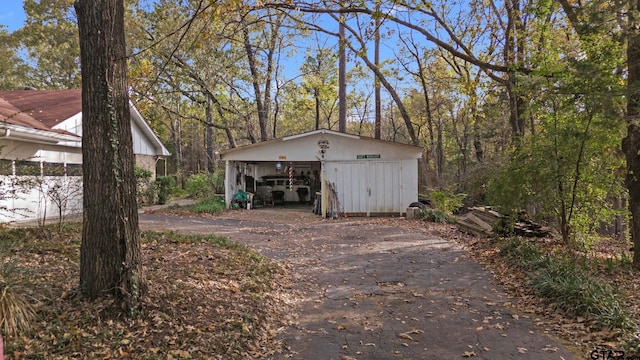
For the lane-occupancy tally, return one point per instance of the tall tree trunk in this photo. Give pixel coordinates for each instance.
(110, 259)
(177, 141)
(421, 74)
(396, 98)
(440, 151)
(263, 115)
(475, 117)
(513, 53)
(232, 141)
(631, 143)
(209, 137)
(342, 78)
(316, 97)
(376, 61)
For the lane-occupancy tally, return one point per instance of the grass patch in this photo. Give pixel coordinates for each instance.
(524, 254)
(211, 206)
(209, 297)
(573, 290)
(16, 313)
(569, 285)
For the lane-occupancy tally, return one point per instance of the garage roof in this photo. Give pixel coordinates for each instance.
(305, 147)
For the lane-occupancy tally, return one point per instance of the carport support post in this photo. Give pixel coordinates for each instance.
(227, 183)
(323, 190)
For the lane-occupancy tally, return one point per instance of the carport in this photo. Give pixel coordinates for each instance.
(354, 174)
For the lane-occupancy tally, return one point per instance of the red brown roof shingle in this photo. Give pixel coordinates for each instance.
(39, 109)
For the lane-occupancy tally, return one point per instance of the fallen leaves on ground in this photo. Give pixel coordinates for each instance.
(578, 331)
(205, 300)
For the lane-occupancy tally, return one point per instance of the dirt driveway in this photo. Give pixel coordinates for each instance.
(380, 289)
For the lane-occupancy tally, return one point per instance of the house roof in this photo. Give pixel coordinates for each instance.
(49, 107)
(45, 109)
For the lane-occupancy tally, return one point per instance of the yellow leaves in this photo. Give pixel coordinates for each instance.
(467, 354)
(179, 354)
(407, 336)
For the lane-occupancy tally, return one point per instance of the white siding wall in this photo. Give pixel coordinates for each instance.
(384, 187)
(374, 186)
(72, 124)
(141, 144)
(350, 182)
(408, 183)
(34, 202)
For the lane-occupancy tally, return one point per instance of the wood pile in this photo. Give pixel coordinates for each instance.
(486, 221)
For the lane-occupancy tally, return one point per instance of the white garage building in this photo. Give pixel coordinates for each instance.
(369, 176)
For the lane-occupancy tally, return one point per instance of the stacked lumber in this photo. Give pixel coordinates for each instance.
(479, 221)
(486, 221)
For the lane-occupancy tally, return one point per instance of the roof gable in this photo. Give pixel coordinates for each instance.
(305, 147)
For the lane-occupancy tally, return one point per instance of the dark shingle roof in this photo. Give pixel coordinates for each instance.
(39, 109)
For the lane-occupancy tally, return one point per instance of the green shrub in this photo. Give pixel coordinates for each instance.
(217, 181)
(436, 215)
(165, 186)
(199, 186)
(144, 186)
(446, 201)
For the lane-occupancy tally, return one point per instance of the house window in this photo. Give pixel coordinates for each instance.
(74, 169)
(27, 168)
(6, 167)
(53, 169)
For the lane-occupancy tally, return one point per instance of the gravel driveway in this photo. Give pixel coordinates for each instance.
(377, 288)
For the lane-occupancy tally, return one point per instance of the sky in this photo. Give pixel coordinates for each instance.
(11, 14)
(12, 18)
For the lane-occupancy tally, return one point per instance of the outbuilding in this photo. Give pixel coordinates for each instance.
(339, 173)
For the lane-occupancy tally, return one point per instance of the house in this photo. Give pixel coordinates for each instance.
(41, 152)
(346, 173)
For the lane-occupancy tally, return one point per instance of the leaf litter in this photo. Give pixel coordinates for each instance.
(207, 298)
(202, 305)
